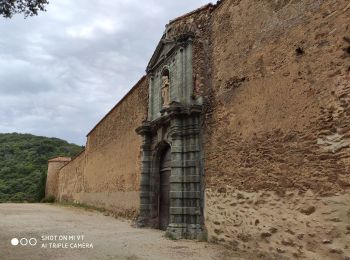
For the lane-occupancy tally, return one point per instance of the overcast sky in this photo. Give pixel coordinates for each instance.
(62, 71)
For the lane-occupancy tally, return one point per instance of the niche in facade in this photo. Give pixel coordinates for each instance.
(170, 73)
(165, 88)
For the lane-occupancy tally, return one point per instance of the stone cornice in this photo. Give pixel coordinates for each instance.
(175, 110)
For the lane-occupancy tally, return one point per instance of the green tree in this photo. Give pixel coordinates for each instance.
(23, 164)
(28, 7)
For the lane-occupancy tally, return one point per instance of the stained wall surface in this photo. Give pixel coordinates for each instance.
(277, 130)
(71, 180)
(107, 173)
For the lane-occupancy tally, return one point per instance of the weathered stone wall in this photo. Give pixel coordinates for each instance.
(71, 180)
(107, 174)
(276, 129)
(265, 224)
(53, 169)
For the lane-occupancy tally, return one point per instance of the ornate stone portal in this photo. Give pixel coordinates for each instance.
(174, 120)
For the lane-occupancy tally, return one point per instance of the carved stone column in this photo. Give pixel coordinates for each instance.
(185, 183)
(145, 202)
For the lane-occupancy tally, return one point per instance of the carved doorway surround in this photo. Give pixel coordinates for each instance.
(173, 126)
(178, 128)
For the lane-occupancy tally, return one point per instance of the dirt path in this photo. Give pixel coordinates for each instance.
(111, 238)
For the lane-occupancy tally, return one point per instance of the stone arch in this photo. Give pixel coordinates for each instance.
(157, 153)
(156, 156)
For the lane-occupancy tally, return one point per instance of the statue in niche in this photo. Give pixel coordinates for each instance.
(165, 90)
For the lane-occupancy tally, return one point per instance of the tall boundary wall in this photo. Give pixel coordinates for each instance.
(277, 130)
(106, 173)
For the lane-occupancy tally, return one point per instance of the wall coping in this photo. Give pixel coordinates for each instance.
(60, 159)
(118, 104)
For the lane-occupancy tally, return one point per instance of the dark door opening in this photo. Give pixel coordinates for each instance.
(164, 188)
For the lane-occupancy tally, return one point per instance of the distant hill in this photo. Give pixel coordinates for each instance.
(23, 164)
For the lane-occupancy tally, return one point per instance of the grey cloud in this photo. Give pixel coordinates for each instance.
(62, 71)
(20, 77)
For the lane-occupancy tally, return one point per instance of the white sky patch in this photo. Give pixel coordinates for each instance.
(105, 26)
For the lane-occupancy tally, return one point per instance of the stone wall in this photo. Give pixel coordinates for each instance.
(276, 129)
(71, 180)
(107, 174)
(53, 169)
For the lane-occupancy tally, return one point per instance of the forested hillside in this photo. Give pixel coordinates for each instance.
(23, 164)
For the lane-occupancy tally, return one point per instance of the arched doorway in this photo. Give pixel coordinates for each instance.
(164, 189)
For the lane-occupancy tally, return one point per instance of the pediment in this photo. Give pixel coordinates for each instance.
(166, 47)
(163, 50)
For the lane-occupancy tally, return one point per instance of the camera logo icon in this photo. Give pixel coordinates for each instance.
(24, 241)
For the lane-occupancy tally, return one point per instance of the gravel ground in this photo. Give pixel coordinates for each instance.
(59, 231)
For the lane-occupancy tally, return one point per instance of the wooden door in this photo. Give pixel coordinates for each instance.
(164, 199)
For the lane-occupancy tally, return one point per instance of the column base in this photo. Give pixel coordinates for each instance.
(185, 231)
(142, 222)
